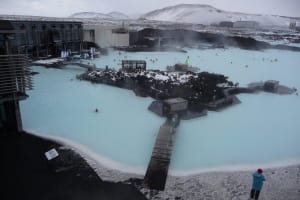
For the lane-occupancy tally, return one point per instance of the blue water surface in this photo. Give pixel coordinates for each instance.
(263, 129)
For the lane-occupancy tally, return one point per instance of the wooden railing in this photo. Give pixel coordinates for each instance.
(15, 74)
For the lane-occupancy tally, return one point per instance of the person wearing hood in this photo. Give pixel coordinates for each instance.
(258, 180)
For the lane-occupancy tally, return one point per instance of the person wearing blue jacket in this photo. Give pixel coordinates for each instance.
(258, 181)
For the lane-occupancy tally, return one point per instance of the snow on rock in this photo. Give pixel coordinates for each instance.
(173, 77)
(161, 77)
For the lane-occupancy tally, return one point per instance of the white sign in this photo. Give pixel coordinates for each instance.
(52, 153)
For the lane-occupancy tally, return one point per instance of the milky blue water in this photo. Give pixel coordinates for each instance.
(264, 129)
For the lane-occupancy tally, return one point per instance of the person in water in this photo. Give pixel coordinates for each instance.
(257, 183)
(96, 110)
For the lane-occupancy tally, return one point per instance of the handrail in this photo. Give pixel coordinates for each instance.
(15, 74)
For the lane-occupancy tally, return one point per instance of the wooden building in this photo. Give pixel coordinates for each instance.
(133, 65)
(174, 105)
(271, 86)
(15, 79)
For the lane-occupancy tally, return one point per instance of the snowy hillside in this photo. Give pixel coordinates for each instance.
(89, 15)
(206, 14)
(118, 15)
(111, 15)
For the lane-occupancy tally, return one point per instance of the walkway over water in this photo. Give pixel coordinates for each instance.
(83, 65)
(60, 63)
(158, 167)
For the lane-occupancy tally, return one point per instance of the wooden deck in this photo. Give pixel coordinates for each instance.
(158, 167)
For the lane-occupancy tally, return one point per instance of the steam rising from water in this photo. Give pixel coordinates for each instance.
(260, 131)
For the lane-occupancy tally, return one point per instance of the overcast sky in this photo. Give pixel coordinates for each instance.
(64, 8)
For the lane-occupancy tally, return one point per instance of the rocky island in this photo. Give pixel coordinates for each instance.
(202, 90)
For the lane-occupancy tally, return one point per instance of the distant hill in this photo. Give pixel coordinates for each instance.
(206, 14)
(118, 15)
(111, 15)
(182, 13)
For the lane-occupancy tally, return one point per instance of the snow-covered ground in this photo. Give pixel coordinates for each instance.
(174, 77)
(281, 184)
(206, 14)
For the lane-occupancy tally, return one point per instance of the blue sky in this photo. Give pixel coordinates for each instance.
(64, 8)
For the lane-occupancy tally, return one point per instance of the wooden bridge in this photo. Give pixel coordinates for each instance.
(158, 167)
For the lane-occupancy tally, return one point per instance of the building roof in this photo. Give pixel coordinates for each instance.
(272, 81)
(6, 27)
(133, 61)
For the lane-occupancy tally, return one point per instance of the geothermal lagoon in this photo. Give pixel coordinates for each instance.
(261, 131)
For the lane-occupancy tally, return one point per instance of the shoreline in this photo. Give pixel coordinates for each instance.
(102, 162)
(283, 181)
